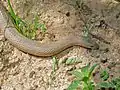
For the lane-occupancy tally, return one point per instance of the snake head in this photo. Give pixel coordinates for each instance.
(90, 43)
(95, 46)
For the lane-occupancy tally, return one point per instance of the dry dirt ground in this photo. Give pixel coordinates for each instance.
(21, 71)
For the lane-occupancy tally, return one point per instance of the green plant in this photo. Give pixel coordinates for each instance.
(71, 61)
(26, 29)
(83, 78)
(54, 64)
(54, 68)
(104, 75)
(114, 83)
(105, 83)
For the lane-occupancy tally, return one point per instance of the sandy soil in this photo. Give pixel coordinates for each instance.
(21, 71)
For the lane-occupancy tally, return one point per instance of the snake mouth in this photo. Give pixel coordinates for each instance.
(95, 46)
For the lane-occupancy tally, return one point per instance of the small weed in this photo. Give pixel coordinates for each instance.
(83, 78)
(26, 29)
(71, 61)
(86, 29)
(54, 68)
(54, 64)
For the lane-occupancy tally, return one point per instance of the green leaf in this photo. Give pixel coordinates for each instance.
(43, 28)
(74, 85)
(77, 74)
(86, 79)
(36, 23)
(70, 61)
(106, 85)
(91, 85)
(11, 10)
(91, 69)
(85, 86)
(116, 82)
(55, 64)
(85, 70)
(104, 75)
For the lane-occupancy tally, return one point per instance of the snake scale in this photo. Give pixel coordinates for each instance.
(33, 47)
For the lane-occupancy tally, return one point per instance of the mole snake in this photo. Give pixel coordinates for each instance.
(33, 47)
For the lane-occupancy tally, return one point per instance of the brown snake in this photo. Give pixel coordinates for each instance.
(33, 47)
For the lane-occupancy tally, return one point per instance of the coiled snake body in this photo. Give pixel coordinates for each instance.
(34, 47)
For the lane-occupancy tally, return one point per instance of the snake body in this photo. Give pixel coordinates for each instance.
(33, 47)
